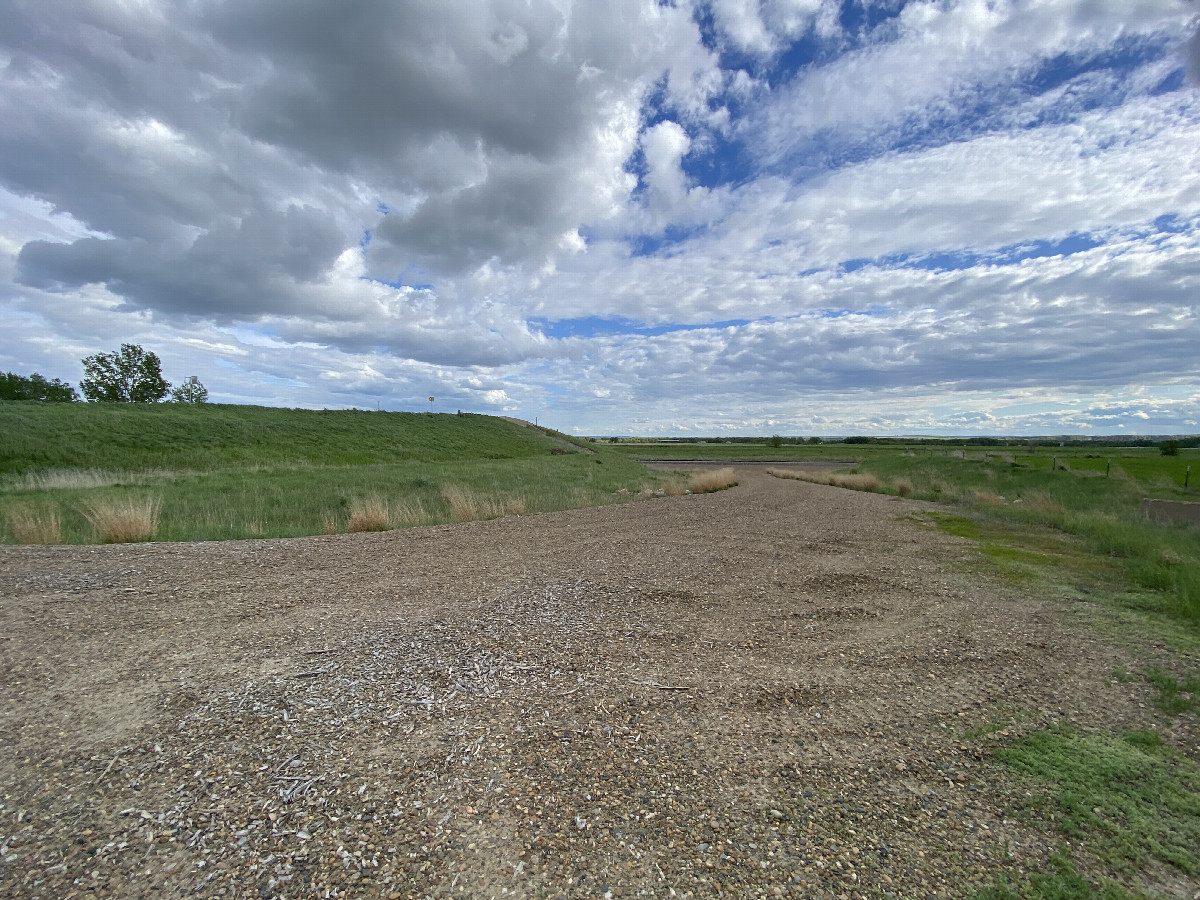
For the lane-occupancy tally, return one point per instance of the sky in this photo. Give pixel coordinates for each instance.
(729, 217)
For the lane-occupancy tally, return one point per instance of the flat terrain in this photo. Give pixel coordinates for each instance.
(776, 690)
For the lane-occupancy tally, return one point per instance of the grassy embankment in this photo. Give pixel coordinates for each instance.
(76, 473)
(1065, 522)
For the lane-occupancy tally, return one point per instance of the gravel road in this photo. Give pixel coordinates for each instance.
(764, 692)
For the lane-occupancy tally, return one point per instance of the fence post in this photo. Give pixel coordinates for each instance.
(1107, 468)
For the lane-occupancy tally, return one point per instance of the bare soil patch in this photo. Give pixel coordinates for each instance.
(768, 691)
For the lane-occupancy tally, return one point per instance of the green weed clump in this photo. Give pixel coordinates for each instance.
(1134, 802)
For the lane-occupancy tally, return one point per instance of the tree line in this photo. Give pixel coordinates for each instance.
(129, 375)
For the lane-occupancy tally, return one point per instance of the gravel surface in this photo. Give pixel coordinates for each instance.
(763, 692)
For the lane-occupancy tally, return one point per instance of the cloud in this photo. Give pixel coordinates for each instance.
(950, 209)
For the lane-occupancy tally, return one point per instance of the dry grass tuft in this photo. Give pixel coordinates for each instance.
(123, 521)
(463, 505)
(904, 487)
(856, 482)
(852, 481)
(1043, 505)
(707, 482)
(30, 526)
(674, 488)
(329, 523)
(468, 506)
(369, 514)
(800, 475)
(409, 514)
(514, 506)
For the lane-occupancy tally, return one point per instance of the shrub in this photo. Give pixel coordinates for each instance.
(35, 526)
(904, 487)
(370, 514)
(125, 521)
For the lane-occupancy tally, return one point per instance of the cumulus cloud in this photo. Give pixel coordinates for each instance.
(573, 210)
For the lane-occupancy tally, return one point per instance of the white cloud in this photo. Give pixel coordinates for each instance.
(316, 205)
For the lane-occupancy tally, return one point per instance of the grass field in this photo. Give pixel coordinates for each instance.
(212, 472)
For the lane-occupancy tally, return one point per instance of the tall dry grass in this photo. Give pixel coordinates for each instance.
(853, 481)
(709, 481)
(123, 521)
(368, 514)
(35, 526)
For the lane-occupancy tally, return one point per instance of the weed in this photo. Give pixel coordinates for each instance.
(410, 513)
(903, 487)
(464, 506)
(514, 506)
(123, 521)
(370, 514)
(35, 526)
(1132, 799)
(1175, 696)
(710, 481)
(329, 523)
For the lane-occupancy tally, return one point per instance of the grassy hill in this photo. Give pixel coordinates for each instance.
(207, 437)
(208, 472)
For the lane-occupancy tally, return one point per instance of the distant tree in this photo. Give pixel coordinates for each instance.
(1169, 448)
(35, 387)
(191, 391)
(775, 441)
(814, 440)
(129, 375)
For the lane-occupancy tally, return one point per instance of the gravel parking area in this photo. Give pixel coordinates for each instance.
(768, 691)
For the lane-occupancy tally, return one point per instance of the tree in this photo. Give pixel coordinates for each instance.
(1169, 447)
(191, 391)
(775, 441)
(35, 387)
(130, 375)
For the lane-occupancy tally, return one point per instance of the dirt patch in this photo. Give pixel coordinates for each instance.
(765, 691)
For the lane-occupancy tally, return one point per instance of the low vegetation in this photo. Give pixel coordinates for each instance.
(706, 482)
(123, 521)
(228, 472)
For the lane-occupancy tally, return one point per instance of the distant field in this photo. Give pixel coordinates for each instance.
(215, 472)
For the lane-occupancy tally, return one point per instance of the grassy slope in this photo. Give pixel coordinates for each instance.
(208, 437)
(221, 472)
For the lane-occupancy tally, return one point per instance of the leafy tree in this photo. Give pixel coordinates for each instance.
(35, 387)
(191, 391)
(130, 375)
(1169, 448)
(775, 441)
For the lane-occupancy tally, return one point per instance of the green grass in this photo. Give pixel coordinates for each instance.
(1081, 530)
(224, 472)
(208, 437)
(1130, 800)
